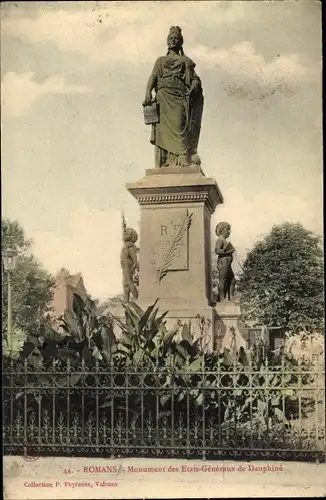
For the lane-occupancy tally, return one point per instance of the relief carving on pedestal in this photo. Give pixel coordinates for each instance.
(173, 248)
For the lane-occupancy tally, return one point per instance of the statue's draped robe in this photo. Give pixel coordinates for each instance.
(177, 133)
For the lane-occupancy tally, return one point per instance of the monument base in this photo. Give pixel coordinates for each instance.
(219, 327)
(176, 205)
(227, 329)
(200, 320)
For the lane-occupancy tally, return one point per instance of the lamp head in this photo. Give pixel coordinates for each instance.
(9, 256)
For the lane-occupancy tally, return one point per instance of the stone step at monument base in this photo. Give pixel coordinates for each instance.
(200, 320)
(219, 326)
(216, 324)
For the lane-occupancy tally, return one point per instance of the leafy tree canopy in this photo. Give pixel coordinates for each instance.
(13, 235)
(32, 285)
(281, 282)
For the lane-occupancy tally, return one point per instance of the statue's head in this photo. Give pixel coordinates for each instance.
(224, 229)
(130, 235)
(175, 38)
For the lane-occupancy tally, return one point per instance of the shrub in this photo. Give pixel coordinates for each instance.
(187, 376)
(306, 348)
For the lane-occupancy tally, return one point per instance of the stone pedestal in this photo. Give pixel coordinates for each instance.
(175, 244)
(227, 331)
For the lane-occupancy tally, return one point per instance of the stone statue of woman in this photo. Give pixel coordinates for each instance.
(179, 95)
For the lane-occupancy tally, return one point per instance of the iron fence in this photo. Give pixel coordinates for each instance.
(229, 412)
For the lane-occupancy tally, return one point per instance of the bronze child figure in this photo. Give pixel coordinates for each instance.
(129, 263)
(224, 251)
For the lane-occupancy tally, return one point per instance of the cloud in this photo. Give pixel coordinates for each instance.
(20, 90)
(253, 219)
(92, 248)
(94, 242)
(245, 66)
(118, 32)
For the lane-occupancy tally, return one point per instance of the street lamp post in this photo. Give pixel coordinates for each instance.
(9, 263)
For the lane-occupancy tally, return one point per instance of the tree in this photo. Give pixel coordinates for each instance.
(32, 285)
(281, 282)
(105, 306)
(13, 235)
(63, 271)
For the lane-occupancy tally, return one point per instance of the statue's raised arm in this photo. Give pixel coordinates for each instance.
(178, 100)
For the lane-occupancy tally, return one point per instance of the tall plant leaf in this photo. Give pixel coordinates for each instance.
(132, 319)
(124, 327)
(108, 337)
(71, 319)
(185, 333)
(135, 306)
(146, 315)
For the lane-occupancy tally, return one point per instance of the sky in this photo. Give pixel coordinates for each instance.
(73, 77)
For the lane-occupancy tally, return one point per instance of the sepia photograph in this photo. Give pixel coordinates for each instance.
(162, 250)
